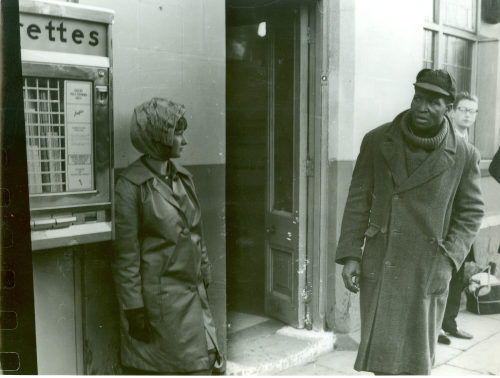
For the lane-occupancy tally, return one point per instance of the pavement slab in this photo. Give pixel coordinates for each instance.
(309, 369)
(448, 370)
(445, 353)
(340, 361)
(484, 358)
(480, 326)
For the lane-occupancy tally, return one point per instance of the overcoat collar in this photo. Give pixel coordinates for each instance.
(139, 173)
(392, 149)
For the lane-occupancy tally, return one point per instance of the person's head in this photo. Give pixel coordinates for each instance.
(465, 110)
(434, 95)
(157, 128)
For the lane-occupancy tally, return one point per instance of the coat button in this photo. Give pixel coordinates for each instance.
(387, 263)
(185, 231)
(396, 197)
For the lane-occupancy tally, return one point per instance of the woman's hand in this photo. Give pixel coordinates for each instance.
(138, 325)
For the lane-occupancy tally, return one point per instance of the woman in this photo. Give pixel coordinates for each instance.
(161, 267)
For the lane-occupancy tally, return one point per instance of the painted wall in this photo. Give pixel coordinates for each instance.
(173, 49)
(370, 79)
(388, 48)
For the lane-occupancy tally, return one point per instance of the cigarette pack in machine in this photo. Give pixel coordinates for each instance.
(66, 65)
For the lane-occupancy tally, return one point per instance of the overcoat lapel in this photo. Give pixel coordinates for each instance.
(166, 192)
(393, 153)
(187, 181)
(439, 160)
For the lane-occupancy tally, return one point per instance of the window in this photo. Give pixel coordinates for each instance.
(451, 42)
(58, 119)
(450, 39)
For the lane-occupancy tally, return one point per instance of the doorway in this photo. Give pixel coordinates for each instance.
(267, 57)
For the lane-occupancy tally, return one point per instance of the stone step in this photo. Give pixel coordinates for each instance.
(270, 347)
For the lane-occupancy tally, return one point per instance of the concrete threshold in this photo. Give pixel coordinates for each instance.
(271, 346)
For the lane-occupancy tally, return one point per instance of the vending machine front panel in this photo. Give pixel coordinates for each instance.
(68, 120)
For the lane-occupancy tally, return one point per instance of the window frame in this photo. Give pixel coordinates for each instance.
(438, 27)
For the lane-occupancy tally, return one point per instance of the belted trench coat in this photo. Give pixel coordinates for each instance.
(161, 264)
(409, 233)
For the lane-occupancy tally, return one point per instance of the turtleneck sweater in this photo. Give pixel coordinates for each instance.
(418, 149)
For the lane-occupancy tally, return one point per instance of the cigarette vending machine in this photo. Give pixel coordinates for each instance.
(66, 62)
(67, 91)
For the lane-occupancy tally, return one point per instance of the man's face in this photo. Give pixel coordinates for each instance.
(427, 109)
(465, 113)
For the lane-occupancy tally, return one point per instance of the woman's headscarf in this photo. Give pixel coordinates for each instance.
(153, 126)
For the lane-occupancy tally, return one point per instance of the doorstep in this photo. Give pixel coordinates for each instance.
(269, 346)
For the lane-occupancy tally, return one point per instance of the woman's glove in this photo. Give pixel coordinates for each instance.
(138, 325)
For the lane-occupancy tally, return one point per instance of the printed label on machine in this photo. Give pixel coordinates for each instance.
(78, 100)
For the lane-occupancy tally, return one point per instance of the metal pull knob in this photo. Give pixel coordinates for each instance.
(271, 230)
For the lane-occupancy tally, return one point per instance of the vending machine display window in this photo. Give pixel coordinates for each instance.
(58, 118)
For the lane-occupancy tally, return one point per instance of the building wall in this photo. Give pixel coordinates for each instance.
(375, 50)
(173, 49)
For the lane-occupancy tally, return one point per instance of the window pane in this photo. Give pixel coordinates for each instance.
(460, 14)
(429, 11)
(429, 40)
(284, 84)
(458, 61)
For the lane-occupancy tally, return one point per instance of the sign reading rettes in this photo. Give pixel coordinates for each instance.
(46, 33)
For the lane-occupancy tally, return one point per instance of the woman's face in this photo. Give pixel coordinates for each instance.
(178, 143)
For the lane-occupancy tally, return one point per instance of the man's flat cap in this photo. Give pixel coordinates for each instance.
(437, 81)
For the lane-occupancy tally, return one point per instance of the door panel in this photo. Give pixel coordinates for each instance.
(282, 272)
(287, 81)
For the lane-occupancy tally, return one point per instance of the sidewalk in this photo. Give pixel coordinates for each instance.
(479, 356)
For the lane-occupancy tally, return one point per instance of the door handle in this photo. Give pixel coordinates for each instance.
(271, 230)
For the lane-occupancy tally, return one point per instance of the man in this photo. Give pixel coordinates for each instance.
(465, 110)
(494, 167)
(464, 115)
(413, 210)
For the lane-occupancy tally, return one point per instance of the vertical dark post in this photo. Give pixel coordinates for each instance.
(17, 316)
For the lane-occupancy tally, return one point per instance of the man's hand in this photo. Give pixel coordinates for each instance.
(350, 274)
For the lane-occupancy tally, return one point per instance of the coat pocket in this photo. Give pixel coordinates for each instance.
(372, 252)
(440, 274)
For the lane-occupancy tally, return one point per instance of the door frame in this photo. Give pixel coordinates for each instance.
(303, 216)
(318, 208)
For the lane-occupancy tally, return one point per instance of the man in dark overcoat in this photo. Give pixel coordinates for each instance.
(413, 210)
